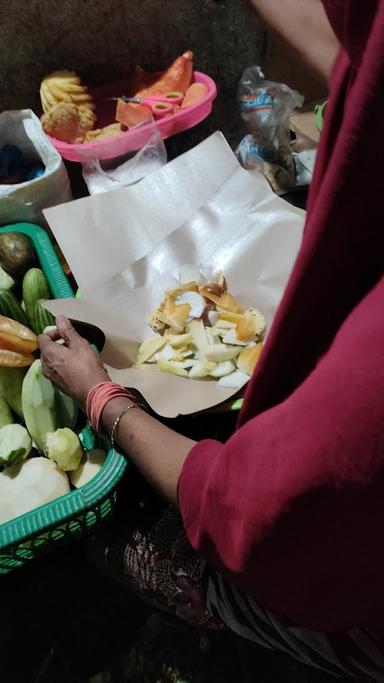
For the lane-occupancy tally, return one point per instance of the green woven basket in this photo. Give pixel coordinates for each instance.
(72, 515)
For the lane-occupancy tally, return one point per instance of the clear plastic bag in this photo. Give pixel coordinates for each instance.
(265, 107)
(111, 174)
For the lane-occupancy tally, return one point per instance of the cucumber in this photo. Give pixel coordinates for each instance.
(66, 410)
(10, 307)
(5, 413)
(11, 382)
(38, 399)
(45, 408)
(41, 319)
(35, 288)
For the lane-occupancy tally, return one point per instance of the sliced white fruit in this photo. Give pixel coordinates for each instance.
(187, 363)
(231, 338)
(221, 352)
(187, 353)
(166, 353)
(201, 369)
(178, 340)
(225, 324)
(172, 367)
(199, 337)
(213, 317)
(211, 336)
(222, 369)
(235, 380)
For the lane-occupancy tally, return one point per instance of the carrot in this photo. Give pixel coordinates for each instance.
(195, 93)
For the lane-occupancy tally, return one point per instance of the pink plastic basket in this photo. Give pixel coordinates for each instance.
(134, 139)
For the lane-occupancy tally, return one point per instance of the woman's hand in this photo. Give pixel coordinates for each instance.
(157, 451)
(74, 367)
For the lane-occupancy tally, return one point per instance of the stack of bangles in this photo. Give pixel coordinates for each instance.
(97, 399)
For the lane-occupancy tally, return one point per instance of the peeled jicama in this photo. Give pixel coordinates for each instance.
(89, 468)
(28, 485)
(64, 447)
(15, 444)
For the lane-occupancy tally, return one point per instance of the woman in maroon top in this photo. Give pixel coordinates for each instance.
(287, 514)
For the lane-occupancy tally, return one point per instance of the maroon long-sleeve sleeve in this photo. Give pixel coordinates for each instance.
(291, 507)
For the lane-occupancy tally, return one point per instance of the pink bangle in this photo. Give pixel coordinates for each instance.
(99, 396)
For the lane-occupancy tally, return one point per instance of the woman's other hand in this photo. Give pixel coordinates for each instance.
(73, 366)
(304, 26)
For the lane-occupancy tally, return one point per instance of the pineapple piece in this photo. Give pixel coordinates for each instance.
(149, 347)
(172, 367)
(174, 315)
(252, 326)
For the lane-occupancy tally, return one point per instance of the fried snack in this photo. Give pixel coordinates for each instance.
(88, 117)
(64, 86)
(66, 122)
(155, 320)
(102, 133)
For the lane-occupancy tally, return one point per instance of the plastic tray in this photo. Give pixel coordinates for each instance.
(73, 514)
(134, 139)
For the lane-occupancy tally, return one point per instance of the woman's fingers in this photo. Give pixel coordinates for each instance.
(45, 342)
(50, 351)
(67, 331)
(53, 358)
(73, 366)
(53, 334)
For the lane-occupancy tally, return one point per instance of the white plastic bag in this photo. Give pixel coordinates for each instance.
(128, 169)
(24, 202)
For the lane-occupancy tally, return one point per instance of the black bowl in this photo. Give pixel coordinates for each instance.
(93, 334)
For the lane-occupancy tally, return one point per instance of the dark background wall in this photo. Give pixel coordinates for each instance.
(102, 40)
